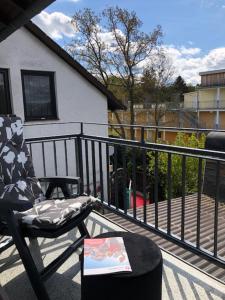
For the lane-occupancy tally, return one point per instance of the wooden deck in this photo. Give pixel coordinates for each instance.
(190, 226)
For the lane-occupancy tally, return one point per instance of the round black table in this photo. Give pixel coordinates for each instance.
(144, 282)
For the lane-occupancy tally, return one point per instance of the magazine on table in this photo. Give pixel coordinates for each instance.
(105, 255)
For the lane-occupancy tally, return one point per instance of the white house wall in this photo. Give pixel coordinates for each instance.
(77, 100)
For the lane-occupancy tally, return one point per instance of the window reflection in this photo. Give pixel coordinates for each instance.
(39, 96)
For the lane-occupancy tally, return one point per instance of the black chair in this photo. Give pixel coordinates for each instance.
(25, 211)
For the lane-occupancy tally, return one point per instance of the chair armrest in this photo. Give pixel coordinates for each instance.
(11, 204)
(57, 180)
(61, 182)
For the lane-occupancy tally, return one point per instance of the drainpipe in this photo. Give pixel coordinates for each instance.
(218, 97)
(198, 106)
(217, 108)
(164, 132)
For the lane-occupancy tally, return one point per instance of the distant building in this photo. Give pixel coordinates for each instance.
(203, 108)
(208, 101)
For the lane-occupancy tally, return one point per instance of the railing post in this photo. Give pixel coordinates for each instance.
(80, 158)
(81, 128)
(142, 134)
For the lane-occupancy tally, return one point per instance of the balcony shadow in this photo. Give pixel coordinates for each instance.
(186, 285)
(179, 281)
(65, 283)
(59, 287)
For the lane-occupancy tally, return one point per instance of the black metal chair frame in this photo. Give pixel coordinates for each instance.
(19, 232)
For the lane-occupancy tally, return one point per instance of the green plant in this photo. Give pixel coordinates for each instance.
(191, 170)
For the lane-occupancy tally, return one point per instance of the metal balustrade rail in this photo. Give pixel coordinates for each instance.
(117, 191)
(142, 132)
(182, 219)
(55, 156)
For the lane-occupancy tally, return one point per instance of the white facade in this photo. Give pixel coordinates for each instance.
(77, 100)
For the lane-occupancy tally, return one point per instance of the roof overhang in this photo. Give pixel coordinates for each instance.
(15, 13)
(212, 72)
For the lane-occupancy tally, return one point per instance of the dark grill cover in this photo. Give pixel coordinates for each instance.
(214, 141)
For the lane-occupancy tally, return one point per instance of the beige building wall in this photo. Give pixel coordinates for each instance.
(141, 117)
(222, 93)
(190, 100)
(222, 119)
(171, 119)
(222, 96)
(170, 136)
(207, 98)
(207, 119)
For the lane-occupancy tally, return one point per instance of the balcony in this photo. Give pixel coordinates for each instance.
(192, 105)
(203, 105)
(189, 227)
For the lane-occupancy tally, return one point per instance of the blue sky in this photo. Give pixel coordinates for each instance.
(194, 30)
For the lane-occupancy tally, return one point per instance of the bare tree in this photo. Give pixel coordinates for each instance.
(156, 77)
(112, 44)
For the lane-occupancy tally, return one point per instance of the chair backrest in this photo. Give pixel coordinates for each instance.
(16, 169)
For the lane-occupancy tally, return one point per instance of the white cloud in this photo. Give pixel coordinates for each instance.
(188, 62)
(56, 24)
(189, 51)
(106, 37)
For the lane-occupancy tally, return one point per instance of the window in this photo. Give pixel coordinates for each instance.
(5, 103)
(39, 95)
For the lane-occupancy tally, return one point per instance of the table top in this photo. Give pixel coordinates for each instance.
(144, 255)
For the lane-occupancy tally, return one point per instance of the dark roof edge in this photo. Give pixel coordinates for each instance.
(113, 102)
(212, 72)
(26, 13)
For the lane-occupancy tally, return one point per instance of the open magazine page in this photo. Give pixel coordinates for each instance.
(105, 255)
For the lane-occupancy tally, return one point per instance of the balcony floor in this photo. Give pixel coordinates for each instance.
(180, 280)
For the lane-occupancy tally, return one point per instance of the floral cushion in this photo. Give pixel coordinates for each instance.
(15, 162)
(51, 214)
(28, 189)
(16, 169)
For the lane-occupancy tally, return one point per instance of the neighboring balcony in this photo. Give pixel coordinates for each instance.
(194, 105)
(203, 105)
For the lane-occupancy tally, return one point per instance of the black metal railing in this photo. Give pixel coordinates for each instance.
(140, 130)
(56, 156)
(165, 211)
(139, 180)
